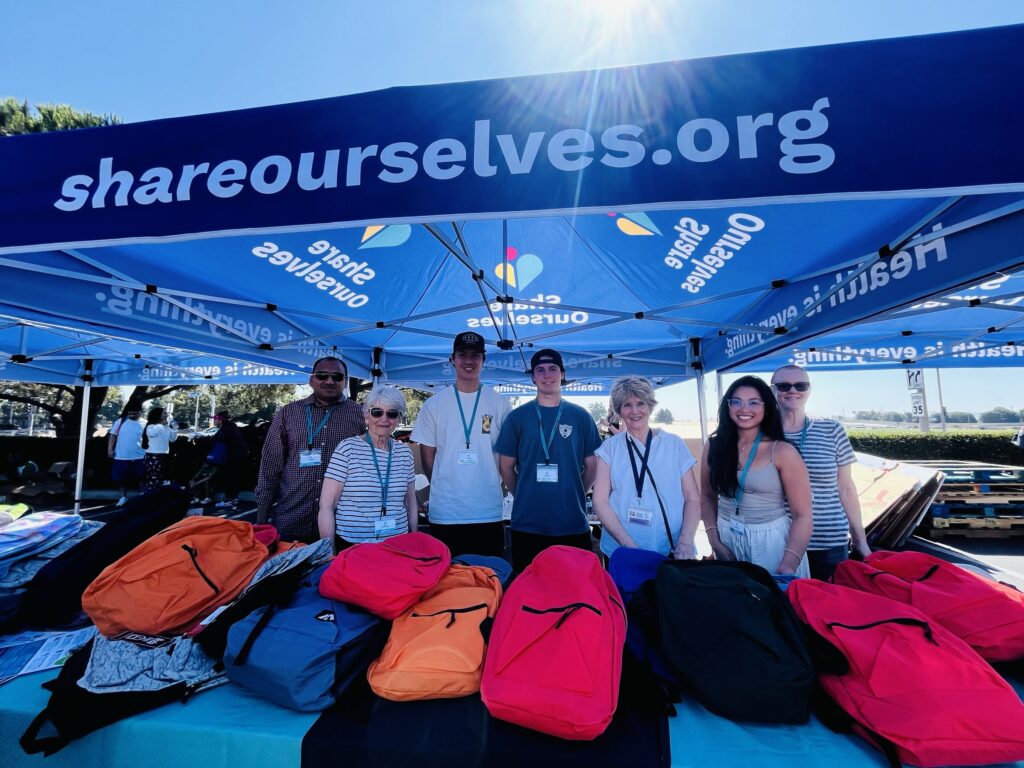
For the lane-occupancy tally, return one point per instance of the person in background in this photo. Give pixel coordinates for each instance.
(369, 489)
(124, 446)
(156, 442)
(547, 460)
(645, 492)
(301, 439)
(749, 473)
(457, 429)
(226, 459)
(826, 451)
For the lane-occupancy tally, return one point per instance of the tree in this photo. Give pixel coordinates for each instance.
(244, 402)
(1000, 415)
(663, 416)
(597, 411)
(18, 117)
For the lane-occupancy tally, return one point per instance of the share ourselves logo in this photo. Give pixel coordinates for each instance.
(520, 270)
(385, 235)
(636, 224)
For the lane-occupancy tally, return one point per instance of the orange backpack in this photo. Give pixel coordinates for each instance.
(175, 578)
(436, 648)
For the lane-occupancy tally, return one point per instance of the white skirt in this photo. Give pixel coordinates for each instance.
(763, 544)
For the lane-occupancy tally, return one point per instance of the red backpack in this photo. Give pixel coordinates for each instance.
(388, 577)
(986, 615)
(555, 653)
(910, 687)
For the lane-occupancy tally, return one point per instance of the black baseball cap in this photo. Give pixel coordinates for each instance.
(546, 356)
(469, 339)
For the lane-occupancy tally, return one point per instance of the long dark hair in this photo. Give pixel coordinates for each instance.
(155, 416)
(723, 447)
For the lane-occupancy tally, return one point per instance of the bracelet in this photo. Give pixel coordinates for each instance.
(710, 527)
(792, 552)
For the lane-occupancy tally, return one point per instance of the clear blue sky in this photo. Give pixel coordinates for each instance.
(144, 61)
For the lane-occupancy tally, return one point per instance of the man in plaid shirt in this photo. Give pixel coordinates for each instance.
(299, 444)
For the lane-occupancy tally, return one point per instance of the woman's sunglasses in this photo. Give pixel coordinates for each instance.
(391, 413)
(799, 386)
(324, 376)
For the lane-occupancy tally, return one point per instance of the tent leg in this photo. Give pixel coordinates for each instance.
(702, 407)
(942, 406)
(718, 385)
(83, 435)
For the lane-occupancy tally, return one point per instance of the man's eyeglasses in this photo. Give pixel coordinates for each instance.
(391, 413)
(799, 386)
(324, 376)
(735, 402)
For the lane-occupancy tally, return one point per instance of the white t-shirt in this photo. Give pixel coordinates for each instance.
(160, 438)
(670, 459)
(463, 492)
(129, 435)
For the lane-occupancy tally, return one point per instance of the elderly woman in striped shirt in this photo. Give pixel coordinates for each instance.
(828, 455)
(369, 490)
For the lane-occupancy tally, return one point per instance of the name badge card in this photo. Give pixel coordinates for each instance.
(547, 473)
(309, 458)
(637, 514)
(385, 526)
(469, 457)
(737, 528)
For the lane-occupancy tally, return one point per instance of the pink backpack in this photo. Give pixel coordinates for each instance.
(387, 577)
(987, 615)
(555, 654)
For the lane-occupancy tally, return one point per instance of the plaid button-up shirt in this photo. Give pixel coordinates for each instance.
(297, 489)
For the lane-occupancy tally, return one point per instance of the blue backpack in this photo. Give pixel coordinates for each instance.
(499, 565)
(630, 569)
(304, 654)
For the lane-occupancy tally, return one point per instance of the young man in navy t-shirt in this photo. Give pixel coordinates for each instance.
(546, 457)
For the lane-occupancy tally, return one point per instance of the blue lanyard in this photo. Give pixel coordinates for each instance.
(385, 480)
(309, 423)
(545, 443)
(746, 468)
(803, 434)
(468, 428)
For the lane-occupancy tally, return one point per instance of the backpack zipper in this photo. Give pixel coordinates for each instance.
(901, 620)
(565, 610)
(194, 554)
(452, 611)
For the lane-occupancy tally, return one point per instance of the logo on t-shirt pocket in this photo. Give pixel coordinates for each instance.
(565, 430)
(485, 424)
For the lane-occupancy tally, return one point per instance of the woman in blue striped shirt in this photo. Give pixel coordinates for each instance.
(828, 455)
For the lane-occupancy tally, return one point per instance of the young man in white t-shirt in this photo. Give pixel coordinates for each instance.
(457, 429)
(123, 446)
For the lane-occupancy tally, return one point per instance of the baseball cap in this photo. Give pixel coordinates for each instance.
(546, 356)
(468, 339)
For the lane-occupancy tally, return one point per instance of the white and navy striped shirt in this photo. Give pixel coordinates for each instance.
(360, 501)
(825, 448)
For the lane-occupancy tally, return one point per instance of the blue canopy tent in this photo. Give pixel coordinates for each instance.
(30, 352)
(665, 219)
(980, 326)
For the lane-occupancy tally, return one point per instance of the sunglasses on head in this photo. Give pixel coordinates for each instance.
(735, 402)
(799, 386)
(391, 413)
(324, 376)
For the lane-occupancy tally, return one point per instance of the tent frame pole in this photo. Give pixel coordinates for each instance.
(83, 435)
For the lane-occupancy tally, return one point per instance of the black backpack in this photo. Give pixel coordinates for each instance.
(54, 596)
(732, 636)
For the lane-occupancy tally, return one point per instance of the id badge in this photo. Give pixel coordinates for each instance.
(385, 526)
(469, 457)
(309, 458)
(737, 528)
(637, 515)
(547, 473)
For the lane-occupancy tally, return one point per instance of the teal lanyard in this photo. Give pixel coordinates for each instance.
(384, 480)
(746, 468)
(545, 442)
(803, 434)
(468, 428)
(309, 423)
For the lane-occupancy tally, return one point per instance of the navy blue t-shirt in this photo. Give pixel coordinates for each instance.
(549, 509)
